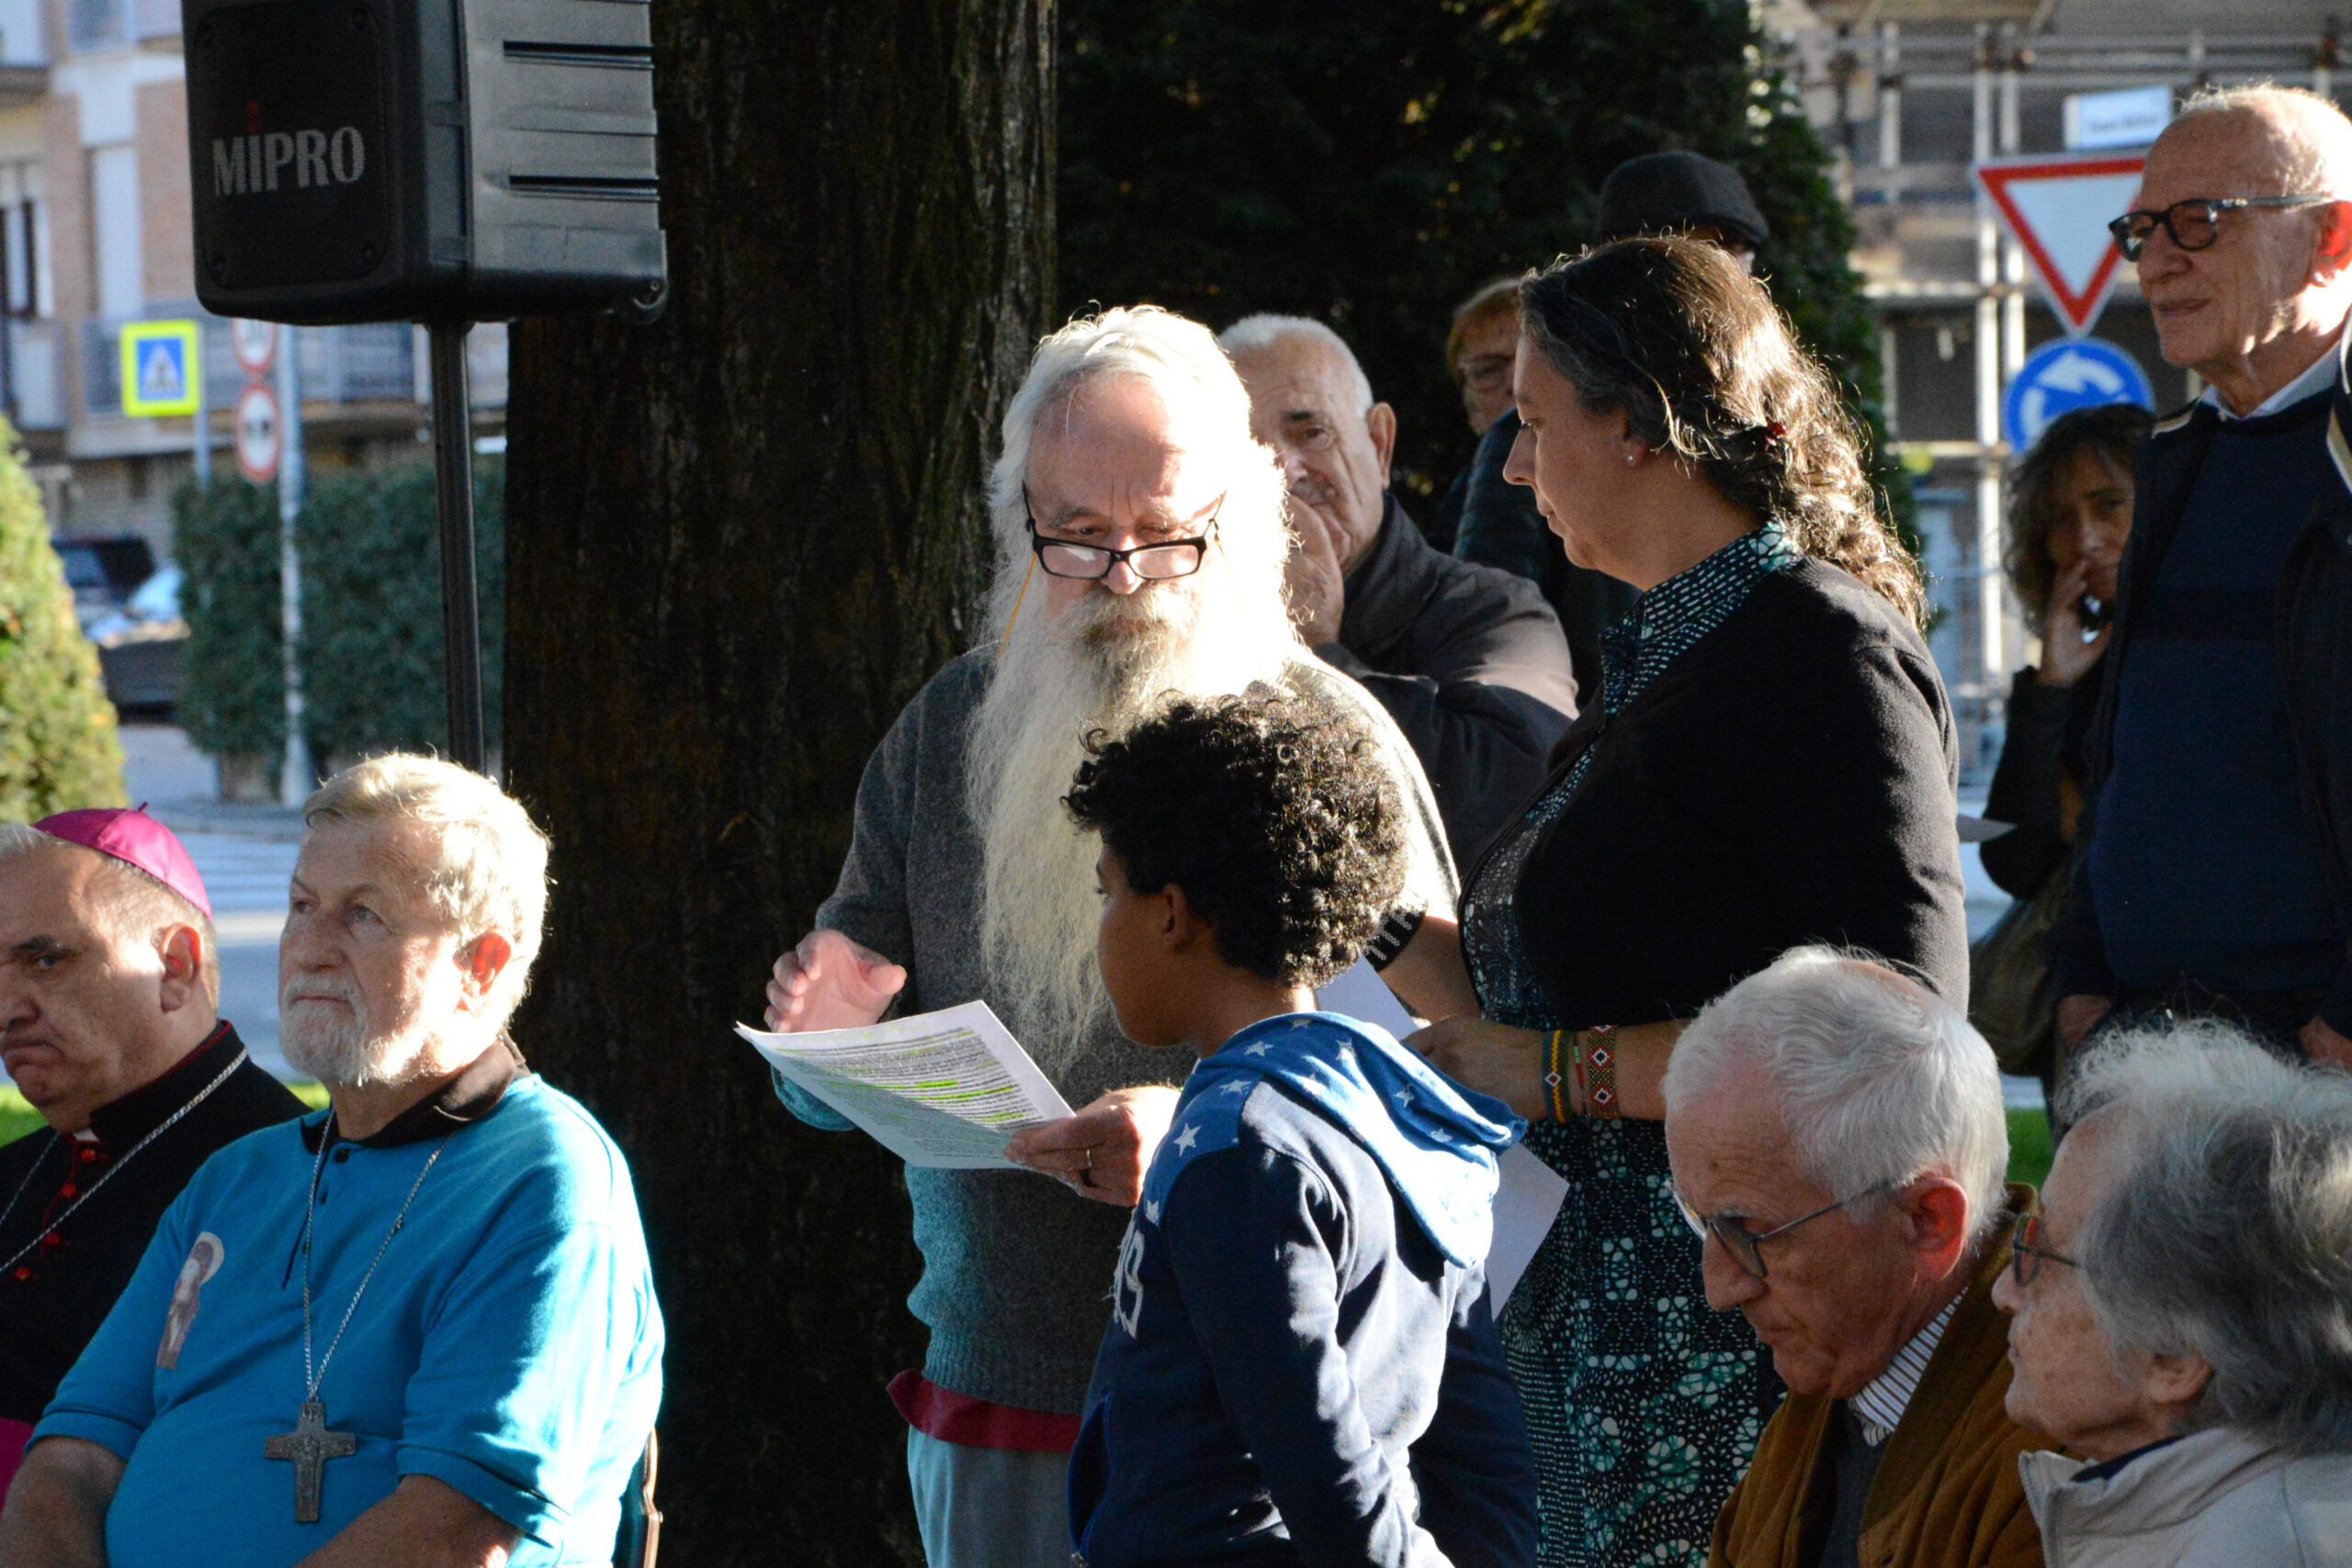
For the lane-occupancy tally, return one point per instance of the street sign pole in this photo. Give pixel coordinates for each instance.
(301, 777)
(203, 430)
(453, 472)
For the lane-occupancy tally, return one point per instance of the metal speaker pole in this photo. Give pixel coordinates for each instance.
(453, 469)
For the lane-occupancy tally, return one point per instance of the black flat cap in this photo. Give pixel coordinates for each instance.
(1664, 192)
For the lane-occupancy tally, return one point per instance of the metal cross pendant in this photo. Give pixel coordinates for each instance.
(310, 1445)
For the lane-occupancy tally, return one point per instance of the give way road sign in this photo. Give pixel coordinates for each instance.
(2059, 209)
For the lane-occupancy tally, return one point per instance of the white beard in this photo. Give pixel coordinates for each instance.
(344, 1049)
(1106, 663)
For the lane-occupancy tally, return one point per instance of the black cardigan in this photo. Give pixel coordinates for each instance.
(1789, 779)
(2048, 742)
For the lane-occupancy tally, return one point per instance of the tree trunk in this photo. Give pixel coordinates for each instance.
(740, 540)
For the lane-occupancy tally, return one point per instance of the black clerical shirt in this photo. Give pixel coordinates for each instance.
(52, 1301)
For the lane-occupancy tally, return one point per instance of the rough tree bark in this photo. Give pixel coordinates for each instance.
(739, 541)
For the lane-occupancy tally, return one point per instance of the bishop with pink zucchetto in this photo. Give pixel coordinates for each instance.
(110, 1024)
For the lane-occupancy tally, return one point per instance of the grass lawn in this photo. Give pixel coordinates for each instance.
(2028, 1146)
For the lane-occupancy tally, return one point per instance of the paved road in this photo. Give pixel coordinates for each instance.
(244, 854)
(246, 877)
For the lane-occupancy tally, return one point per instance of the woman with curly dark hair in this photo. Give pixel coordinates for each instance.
(1770, 765)
(2069, 513)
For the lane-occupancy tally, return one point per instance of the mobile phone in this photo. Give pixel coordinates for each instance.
(2095, 613)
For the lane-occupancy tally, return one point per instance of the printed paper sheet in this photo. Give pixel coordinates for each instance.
(944, 1090)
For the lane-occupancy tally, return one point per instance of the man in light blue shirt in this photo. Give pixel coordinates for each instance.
(417, 1327)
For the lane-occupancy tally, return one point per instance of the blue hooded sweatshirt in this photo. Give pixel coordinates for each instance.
(1300, 1366)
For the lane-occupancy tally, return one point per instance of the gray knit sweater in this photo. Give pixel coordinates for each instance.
(1015, 1287)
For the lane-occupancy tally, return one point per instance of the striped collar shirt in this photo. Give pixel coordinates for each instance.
(1881, 1403)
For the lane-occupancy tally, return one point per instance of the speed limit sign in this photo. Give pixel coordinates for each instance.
(261, 435)
(256, 344)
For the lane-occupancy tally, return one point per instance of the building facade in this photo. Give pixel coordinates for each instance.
(96, 231)
(1909, 95)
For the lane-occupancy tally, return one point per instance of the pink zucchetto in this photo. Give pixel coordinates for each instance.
(135, 839)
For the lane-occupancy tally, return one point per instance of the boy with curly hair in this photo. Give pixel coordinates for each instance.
(1300, 1366)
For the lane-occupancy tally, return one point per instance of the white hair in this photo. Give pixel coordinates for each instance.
(133, 903)
(2226, 1230)
(2314, 136)
(1108, 660)
(1176, 357)
(489, 866)
(1879, 1080)
(1254, 335)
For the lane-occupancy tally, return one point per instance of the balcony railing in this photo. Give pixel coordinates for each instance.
(93, 25)
(374, 361)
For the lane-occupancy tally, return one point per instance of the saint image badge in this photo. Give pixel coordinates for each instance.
(203, 1262)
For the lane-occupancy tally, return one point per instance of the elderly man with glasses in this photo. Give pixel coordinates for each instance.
(1140, 544)
(2214, 874)
(2183, 1311)
(1468, 660)
(1838, 1139)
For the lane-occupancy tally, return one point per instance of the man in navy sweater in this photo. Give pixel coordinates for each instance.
(1300, 1367)
(2212, 877)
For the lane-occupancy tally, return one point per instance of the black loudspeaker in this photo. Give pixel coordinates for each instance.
(421, 160)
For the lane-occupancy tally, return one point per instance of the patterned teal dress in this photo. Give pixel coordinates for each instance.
(1643, 1404)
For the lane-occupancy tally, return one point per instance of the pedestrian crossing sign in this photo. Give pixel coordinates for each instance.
(160, 367)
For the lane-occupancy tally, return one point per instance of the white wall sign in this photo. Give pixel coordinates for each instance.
(2132, 116)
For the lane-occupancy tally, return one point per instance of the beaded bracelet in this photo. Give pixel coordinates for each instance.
(1600, 1097)
(1554, 1080)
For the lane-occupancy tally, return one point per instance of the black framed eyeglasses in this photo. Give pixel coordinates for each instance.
(2027, 1254)
(2193, 225)
(1742, 1244)
(1089, 563)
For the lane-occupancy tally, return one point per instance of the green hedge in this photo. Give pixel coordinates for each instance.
(371, 613)
(58, 746)
(372, 675)
(233, 683)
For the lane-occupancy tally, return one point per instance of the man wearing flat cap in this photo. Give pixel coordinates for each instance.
(109, 984)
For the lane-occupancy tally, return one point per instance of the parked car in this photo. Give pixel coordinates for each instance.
(139, 648)
(104, 571)
(132, 611)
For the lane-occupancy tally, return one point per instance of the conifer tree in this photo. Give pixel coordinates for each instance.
(58, 746)
(1371, 165)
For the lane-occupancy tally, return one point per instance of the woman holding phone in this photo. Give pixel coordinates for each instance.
(2069, 513)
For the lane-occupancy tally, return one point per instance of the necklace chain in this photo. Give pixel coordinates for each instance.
(108, 1174)
(313, 1378)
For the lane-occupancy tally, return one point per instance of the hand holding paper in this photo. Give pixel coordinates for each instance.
(1104, 1149)
(941, 1088)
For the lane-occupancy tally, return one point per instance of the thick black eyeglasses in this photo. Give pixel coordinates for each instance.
(2025, 1237)
(2193, 225)
(1089, 563)
(1743, 1244)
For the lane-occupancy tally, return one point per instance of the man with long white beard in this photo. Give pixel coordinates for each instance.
(1140, 551)
(417, 1327)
